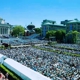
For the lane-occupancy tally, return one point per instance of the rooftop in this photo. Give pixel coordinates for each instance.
(47, 23)
(4, 25)
(59, 24)
(55, 24)
(1, 18)
(31, 24)
(73, 21)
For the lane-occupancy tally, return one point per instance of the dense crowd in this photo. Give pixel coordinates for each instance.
(18, 41)
(53, 65)
(63, 48)
(73, 46)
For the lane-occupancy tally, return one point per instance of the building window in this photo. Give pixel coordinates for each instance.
(1, 30)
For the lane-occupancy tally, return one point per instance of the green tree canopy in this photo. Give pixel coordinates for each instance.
(60, 34)
(50, 34)
(72, 36)
(37, 30)
(74, 33)
(18, 30)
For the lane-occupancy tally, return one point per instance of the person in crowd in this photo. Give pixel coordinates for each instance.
(6, 75)
(0, 74)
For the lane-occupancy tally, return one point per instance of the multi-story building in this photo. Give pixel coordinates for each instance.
(48, 25)
(4, 28)
(73, 25)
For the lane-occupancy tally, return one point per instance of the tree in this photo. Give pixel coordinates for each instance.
(69, 37)
(72, 36)
(60, 35)
(74, 33)
(50, 34)
(37, 30)
(18, 30)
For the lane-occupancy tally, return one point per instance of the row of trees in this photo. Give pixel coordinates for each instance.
(58, 34)
(71, 36)
(61, 36)
(19, 30)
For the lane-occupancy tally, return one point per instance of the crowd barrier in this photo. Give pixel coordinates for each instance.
(24, 72)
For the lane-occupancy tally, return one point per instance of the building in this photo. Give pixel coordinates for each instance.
(65, 21)
(73, 25)
(4, 28)
(30, 29)
(48, 25)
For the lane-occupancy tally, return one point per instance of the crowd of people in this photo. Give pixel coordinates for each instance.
(73, 46)
(51, 64)
(64, 48)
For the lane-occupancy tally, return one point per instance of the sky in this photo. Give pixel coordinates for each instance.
(23, 12)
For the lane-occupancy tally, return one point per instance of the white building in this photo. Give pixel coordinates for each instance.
(4, 28)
